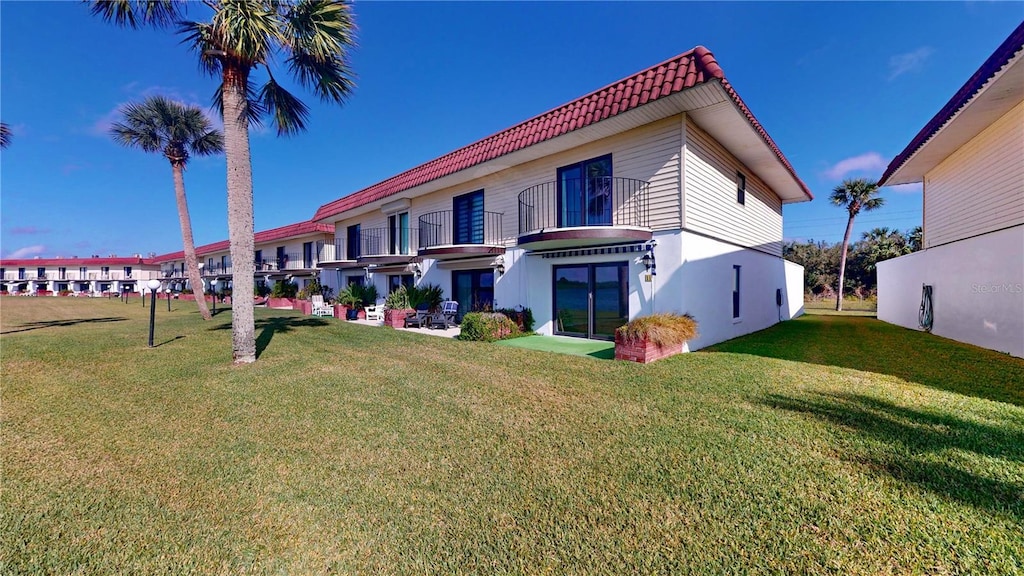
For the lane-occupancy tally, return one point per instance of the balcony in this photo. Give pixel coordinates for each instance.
(575, 213)
(387, 246)
(442, 238)
(335, 255)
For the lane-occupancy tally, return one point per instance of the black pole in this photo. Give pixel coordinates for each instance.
(168, 295)
(214, 301)
(143, 292)
(152, 315)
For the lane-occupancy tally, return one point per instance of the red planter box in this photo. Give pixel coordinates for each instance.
(285, 303)
(643, 351)
(396, 318)
(303, 305)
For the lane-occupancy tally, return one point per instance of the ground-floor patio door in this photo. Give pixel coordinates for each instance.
(473, 290)
(591, 300)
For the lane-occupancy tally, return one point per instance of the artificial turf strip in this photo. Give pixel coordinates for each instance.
(564, 345)
(352, 449)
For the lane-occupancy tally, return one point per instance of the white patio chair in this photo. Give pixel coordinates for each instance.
(375, 312)
(321, 308)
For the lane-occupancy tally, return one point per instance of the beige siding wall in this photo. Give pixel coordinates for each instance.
(649, 153)
(980, 187)
(710, 197)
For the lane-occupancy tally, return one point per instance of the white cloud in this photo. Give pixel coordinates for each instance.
(900, 64)
(867, 162)
(27, 251)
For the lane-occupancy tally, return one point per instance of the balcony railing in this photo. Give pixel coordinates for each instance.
(581, 202)
(375, 242)
(333, 251)
(440, 229)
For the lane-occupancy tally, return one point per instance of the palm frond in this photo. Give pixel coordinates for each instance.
(200, 38)
(5, 135)
(161, 124)
(246, 31)
(138, 13)
(287, 112)
(319, 34)
(329, 78)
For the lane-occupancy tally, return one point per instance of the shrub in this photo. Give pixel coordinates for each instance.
(523, 317)
(398, 299)
(314, 287)
(487, 327)
(668, 329)
(284, 289)
(430, 294)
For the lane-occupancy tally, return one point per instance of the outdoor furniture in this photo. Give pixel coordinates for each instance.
(419, 318)
(321, 308)
(375, 312)
(446, 317)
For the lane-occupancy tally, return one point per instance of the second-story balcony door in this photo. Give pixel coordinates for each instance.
(585, 193)
(307, 255)
(468, 218)
(398, 226)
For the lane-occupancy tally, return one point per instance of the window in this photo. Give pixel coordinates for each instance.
(468, 218)
(225, 263)
(741, 188)
(398, 233)
(21, 273)
(63, 273)
(82, 273)
(307, 254)
(585, 193)
(735, 292)
(209, 265)
(105, 270)
(397, 280)
(127, 271)
(353, 235)
(282, 258)
(40, 272)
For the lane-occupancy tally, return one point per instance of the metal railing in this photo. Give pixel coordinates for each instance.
(332, 251)
(573, 202)
(441, 229)
(381, 242)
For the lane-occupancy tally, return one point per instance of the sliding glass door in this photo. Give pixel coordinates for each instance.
(591, 300)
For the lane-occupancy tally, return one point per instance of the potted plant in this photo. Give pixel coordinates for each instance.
(351, 299)
(397, 308)
(654, 337)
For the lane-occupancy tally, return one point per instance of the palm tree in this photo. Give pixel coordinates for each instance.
(178, 131)
(915, 238)
(854, 195)
(312, 37)
(5, 135)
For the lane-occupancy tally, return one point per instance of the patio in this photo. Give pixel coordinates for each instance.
(442, 332)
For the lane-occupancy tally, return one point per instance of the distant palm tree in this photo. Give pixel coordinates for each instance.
(915, 238)
(177, 131)
(312, 37)
(854, 195)
(5, 135)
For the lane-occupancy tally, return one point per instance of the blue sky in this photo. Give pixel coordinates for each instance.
(841, 87)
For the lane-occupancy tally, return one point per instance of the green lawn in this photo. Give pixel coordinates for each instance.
(827, 445)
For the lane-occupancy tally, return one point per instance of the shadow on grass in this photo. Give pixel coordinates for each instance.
(606, 354)
(270, 326)
(870, 345)
(59, 323)
(921, 448)
(167, 341)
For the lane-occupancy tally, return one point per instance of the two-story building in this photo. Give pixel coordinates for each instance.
(92, 276)
(293, 252)
(658, 192)
(968, 282)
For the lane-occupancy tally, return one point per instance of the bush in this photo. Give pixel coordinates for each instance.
(398, 299)
(284, 289)
(668, 329)
(487, 327)
(430, 294)
(523, 317)
(314, 287)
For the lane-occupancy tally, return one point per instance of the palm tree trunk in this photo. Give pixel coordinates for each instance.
(191, 264)
(842, 264)
(240, 214)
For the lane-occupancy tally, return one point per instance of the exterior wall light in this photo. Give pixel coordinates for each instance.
(499, 265)
(153, 286)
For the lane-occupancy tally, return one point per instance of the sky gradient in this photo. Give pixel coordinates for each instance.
(841, 88)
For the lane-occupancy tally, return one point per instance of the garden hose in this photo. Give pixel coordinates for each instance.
(925, 317)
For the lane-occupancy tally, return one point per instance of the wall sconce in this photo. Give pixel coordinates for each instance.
(499, 265)
(417, 271)
(649, 263)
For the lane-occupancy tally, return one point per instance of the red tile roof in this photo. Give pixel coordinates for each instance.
(1006, 51)
(281, 233)
(75, 262)
(684, 71)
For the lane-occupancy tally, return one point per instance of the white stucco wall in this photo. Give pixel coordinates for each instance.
(978, 290)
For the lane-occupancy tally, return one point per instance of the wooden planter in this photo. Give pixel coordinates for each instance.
(396, 318)
(644, 351)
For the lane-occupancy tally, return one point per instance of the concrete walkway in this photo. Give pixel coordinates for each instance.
(442, 332)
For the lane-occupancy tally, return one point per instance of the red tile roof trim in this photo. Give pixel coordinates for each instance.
(684, 71)
(1001, 57)
(281, 233)
(72, 262)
